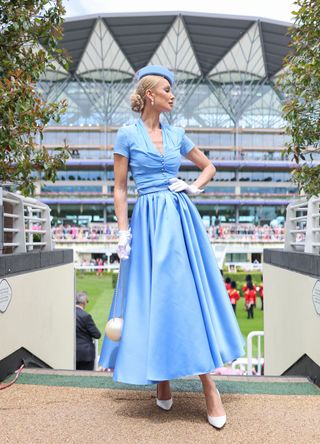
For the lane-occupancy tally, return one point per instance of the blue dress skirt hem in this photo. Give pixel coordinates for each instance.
(178, 319)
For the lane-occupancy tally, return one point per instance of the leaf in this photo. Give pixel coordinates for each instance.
(23, 111)
(301, 83)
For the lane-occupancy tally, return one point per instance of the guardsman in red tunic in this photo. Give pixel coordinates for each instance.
(261, 294)
(227, 283)
(250, 299)
(248, 279)
(234, 295)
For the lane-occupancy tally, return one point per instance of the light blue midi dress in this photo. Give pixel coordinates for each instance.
(178, 319)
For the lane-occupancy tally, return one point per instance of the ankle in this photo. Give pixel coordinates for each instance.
(163, 390)
(210, 392)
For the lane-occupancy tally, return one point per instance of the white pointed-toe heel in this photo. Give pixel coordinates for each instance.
(164, 404)
(217, 421)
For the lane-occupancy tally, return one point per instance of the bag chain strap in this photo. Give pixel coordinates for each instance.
(116, 293)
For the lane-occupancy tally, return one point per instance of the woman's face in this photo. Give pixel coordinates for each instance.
(162, 96)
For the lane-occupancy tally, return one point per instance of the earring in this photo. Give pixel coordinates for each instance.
(152, 102)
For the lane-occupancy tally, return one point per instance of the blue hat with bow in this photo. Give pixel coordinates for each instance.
(155, 70)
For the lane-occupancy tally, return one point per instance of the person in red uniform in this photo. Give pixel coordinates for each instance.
(250, 299)
(261, 293)
(227, 283)
(234, 295)
(248, 279)
(245, 287)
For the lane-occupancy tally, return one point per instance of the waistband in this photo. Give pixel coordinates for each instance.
(154, 189)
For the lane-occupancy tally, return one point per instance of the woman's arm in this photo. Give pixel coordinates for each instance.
(120, 190)
(201, 161)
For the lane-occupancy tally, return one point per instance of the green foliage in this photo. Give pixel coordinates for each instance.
(23, 111)
(308, 178)
(300, 83)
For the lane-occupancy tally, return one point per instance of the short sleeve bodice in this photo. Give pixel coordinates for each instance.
(150, 169)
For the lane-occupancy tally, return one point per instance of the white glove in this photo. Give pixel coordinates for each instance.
(123, 248)
(178, 185)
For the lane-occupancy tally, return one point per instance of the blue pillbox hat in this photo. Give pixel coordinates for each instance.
(155, 70)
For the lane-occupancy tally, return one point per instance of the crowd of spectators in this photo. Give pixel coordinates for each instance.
(221, 232)
(91, 232)
(246, 232)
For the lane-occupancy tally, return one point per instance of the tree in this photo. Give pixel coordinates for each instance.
(23, 110)
(300, 83)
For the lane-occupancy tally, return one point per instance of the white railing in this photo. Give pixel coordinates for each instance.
(96, 354)
(251, 365)
(303, 226)
(25, 224)
(259, 359)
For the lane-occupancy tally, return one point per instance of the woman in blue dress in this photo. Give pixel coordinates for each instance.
(178, 320)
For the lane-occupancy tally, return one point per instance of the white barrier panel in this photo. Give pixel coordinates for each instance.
(41, 316)
(291, 321)
(303, 226)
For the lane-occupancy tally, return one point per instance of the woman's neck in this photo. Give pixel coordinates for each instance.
(151, 120)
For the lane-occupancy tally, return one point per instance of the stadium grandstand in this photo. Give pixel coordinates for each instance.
(227, 99)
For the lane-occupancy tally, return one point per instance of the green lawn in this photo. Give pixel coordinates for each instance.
(99, 290)
(100, 295)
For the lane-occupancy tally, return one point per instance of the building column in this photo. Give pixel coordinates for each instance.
(237, 214)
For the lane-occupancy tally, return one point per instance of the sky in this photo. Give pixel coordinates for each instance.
(272, 9)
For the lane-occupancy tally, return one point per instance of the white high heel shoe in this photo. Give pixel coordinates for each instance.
(164, 404)
(217, 421)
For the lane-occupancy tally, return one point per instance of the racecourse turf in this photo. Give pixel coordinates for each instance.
(100, 291)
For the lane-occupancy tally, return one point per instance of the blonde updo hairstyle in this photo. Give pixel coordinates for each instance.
(138, 98)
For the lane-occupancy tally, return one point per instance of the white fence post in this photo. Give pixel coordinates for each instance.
(289, 226)
(259, 359)
(96, 359)
(19, 236)
(313, 225)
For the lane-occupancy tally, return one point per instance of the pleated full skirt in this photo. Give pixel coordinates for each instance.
(178, 319)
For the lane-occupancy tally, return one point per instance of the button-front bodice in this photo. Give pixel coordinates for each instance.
(150, 169)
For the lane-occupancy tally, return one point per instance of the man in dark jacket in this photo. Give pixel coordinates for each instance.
(86, 330)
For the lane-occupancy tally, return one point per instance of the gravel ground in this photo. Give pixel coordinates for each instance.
(40, 414)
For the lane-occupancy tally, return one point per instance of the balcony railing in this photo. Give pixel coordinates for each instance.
(24, 224)
(225, 232)
(303, 226)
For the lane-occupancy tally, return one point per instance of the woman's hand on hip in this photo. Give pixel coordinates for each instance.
(178, 185)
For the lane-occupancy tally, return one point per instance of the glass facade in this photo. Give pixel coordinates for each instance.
(226, 99)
